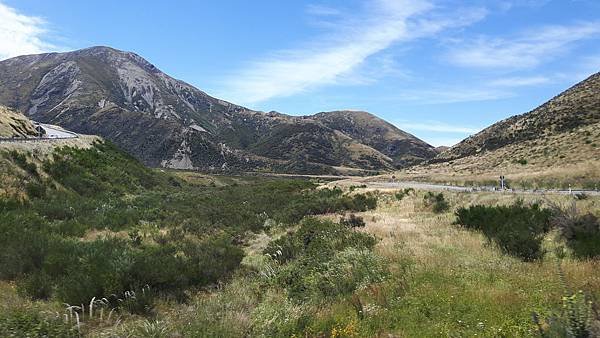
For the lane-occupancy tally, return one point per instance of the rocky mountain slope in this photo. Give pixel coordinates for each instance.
(167, 122)
(15, 125)
(577, 107)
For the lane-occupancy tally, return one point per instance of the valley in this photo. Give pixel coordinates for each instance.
(133, 204)
(296, 257)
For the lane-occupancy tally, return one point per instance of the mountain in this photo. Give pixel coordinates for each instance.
(579, 106)
(403, 148)
(166, 122)
(554, 145)
(15, 125)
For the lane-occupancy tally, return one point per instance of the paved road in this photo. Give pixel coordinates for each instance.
(56, 132)
(52, 133)
(431, 186)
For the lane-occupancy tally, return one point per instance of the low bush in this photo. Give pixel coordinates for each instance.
(353, 221)
(580, 231)
(36, 285)
(35, 189)
(349, 270)
(325, 260)
(403, 193)
(138, 303)
(22, 323)
(20, 159)
(517, 229)
(521, 161)
(578, 319)
(317, 239)
(437, 202)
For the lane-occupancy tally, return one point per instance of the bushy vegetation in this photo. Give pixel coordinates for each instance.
(580, 231)
(437, 202)
(20, 159)
(578, 319)
(325, 259)
(403, 193)
(353, 221)
(99, 223)
(517, 229)
(31, 324)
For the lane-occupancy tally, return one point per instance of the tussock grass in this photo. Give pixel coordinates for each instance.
(439, 280)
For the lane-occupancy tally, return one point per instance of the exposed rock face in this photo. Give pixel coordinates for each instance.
(167, 122)
(15, 125)
(576, 107)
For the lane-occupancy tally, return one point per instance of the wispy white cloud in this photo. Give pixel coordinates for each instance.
(21, 34)
(436, 126)
(451, 95)
(527, 50)
(506, 5)
(437, 133)
(330, 59)
(520, 81)
(438, 141)
(322, 10)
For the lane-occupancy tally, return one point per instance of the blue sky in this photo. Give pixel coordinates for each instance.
(440, 69)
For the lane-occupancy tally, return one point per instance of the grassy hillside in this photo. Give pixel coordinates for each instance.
(556, 161)
(576, 108)
(13, 124)
(556, 145)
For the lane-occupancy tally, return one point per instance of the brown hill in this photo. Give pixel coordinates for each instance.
(15, 125)
(555, 145)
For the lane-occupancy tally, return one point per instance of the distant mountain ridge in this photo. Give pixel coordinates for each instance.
(167, 122)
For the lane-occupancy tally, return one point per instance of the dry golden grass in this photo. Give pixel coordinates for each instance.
(459, 270)
(557, 160)
(14, 124)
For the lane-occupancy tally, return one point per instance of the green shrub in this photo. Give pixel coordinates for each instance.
(436, 202)
(314, 267)
(317, 240)
(581, 231)
(138, 303)
(35, 189)
(521, 161)
(36, 285)
(517, 229)
(20, 159)
(202, 257)
(403, 193)
(578, 319)
(21, 323)
(348, 271)
(363, 202)
(353, 221)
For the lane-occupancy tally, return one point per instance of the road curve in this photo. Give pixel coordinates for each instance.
(52, 133)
